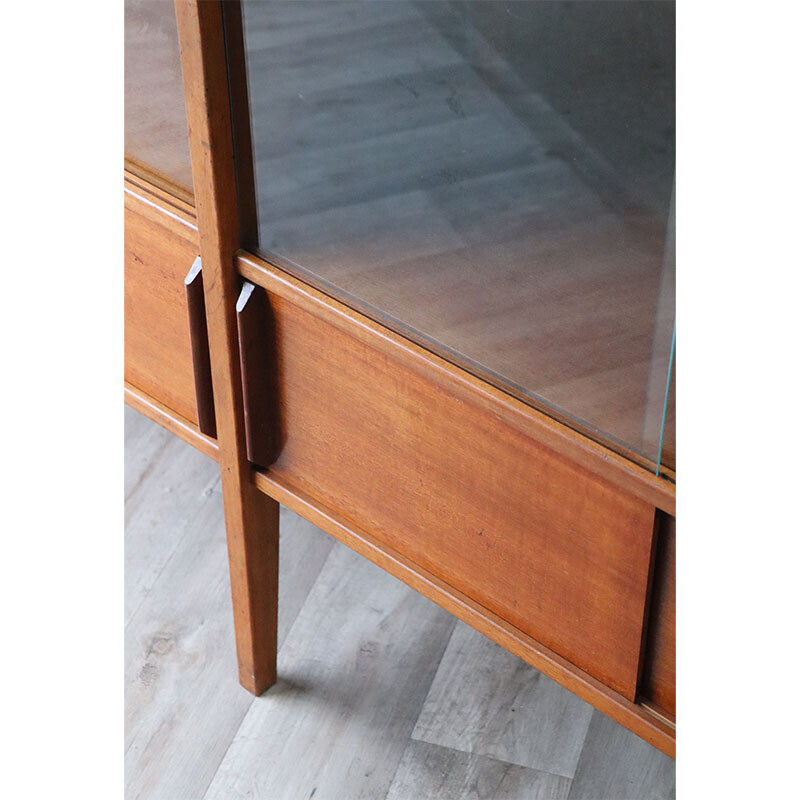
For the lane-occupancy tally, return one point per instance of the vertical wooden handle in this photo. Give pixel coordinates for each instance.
(256, 357)
(201, 358)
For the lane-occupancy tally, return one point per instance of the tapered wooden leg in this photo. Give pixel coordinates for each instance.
(251, 522)
(251, 518)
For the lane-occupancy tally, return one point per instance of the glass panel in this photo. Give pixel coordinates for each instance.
(493, 179)
(156, 135)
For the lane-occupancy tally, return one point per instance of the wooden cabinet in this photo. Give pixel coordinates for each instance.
(552, 539)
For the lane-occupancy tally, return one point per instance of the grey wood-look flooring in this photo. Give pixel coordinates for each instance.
(381, 694)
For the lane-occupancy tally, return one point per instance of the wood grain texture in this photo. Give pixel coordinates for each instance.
(201, 360)
(160, 246)
(560, 554)
(486, 701)
(439, 773)
(615, 765)
(658, 675)
(651, 727)
(183, 703)
(251, 518)
(352, 683)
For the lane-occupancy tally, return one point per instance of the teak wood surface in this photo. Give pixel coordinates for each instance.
(159, 249)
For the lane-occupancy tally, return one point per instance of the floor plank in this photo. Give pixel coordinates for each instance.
(168, 486)
(486, 701)
(354, 670)
(616, 765)
(142, 442)
(304, 549)
(183, 702)
(439, 773)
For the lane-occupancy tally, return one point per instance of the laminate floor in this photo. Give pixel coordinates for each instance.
(381, 694)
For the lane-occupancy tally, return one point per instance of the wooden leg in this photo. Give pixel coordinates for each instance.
(251, 518)
(251, 522)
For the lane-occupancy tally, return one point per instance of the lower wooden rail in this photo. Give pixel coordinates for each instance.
(638, 718)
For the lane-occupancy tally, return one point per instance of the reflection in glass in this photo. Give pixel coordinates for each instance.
(156, 136)
(493, 179)
(666, 445)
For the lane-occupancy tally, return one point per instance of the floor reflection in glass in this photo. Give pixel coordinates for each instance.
(494, 178)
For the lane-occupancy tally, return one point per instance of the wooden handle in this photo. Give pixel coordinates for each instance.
(201, 359)
(258, 364)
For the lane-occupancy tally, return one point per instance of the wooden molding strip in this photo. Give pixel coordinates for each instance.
(167, 418)
(637, 718)
(159, 198)
(667, 718)
(140, 171)
(570, 444)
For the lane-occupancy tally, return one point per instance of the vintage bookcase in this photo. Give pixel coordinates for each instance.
(408, 269)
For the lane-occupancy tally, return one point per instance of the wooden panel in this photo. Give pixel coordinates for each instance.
(658, 677)
(556, 551)
(160, 246)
